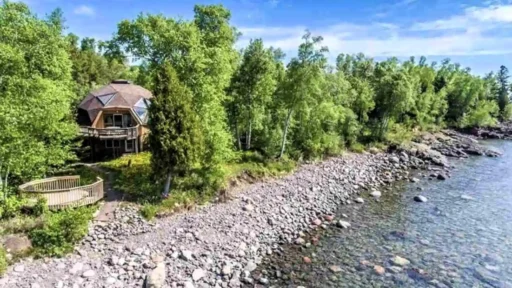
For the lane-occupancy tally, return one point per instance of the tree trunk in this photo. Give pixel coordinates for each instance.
(239, 142)
(4, 186)
(167, 185)
(285, 132)
(249, 134)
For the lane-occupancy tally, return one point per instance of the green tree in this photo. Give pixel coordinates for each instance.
(303, 79)
(37, 125)
(393, 95)
(252, 86)
(175, 138)
(504, 88)
(202, 54)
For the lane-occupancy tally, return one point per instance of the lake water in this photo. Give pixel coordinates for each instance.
(461, 237)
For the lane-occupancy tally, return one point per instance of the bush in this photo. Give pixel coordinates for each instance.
(507, 113)
(3, 261)
(357, 147)
(40, 208)
(149, 211)
(20, 224)
(399, 134)
(61, 231)
(482, 116)
(11, 207)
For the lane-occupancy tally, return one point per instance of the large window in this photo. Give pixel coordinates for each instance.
(127, 120)
(109, 120)
(118, 120)
(129, 145)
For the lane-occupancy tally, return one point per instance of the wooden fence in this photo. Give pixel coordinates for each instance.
(65, 191)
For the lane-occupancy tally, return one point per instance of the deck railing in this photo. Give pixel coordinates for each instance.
(110, 133)
(65, 191)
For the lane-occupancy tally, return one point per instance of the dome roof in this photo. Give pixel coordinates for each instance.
(117, 94)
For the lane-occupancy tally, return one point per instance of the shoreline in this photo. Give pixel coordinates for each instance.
(221, 244)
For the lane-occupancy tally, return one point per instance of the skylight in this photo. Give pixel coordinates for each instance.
(104, 99)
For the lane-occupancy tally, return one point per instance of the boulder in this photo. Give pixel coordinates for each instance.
(17, 244)
(156, 278)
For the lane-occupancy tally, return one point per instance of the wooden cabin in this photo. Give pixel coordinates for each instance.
(113, 119)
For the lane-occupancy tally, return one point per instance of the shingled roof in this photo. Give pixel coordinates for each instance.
(117, 94)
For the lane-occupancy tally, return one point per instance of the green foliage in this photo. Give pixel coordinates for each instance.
(357, 147)
(399, 134)
(507, 113)
(133, 176)
(40, 207)
(11, 206)
(3, 261)
(149, 211)
(203, 56)
(61, 231)
(175, 140)
(20, 224)
(36, 118)
(483, 115)
(87, 174)
(252, 87)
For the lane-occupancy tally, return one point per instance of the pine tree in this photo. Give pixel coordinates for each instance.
(175, 139)
(504, 88)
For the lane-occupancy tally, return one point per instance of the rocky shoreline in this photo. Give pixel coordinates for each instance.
(219, 245)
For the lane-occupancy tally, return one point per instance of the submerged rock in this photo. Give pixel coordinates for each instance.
(376, 193)
(420, 198)
(343, 224)
(359, 200)
(399, 261)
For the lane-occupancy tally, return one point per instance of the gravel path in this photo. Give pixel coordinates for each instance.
(217, 245)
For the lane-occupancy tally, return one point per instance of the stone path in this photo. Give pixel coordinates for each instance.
(113, 198)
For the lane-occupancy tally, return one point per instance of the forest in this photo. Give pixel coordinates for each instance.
(216, 104)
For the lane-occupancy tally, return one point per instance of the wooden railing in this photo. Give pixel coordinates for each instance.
(110, 133)
(65, 191)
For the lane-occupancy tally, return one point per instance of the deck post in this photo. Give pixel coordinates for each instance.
(137, 145)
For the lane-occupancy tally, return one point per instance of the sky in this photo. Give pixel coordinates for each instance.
(474, 33)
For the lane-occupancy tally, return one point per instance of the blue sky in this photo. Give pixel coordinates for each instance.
(474, 33)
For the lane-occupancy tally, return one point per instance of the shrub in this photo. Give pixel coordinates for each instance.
(399, 134)
(40, 208)
(357, 147)
(149, 211)
(507, 113)
(61, 231)
(20, 224)
(3, 261)
(11, 206)
(482, 116)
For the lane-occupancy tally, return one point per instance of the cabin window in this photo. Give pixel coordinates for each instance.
(118, 120)
(109, 120)
(127, 120)
(129, 145)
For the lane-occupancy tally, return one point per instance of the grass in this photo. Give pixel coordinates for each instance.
(134, 178)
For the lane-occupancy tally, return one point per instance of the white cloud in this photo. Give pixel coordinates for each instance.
(460, 35)
(483, 18)
(84, 10)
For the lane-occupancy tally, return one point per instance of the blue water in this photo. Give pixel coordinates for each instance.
(461, 237)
